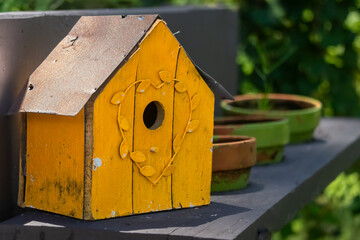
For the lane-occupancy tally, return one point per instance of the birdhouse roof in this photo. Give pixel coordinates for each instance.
(78, 66)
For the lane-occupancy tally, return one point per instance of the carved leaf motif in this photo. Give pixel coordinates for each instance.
(143, 86)
(177, 143)
(159, 86)
(193, 125)
(180, 87)
(165, 76)
(147, 171)
(124, 149)
(195, 101)
(169, 170)
(138, 156)
(124, 124)
(118, 98)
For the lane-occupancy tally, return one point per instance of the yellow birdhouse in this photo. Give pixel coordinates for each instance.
(119, 121)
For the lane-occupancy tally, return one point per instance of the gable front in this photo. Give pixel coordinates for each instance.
(150, 166)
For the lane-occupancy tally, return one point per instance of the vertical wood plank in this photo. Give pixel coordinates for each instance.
(158, 52)
(192, 178)
(22, 162)
(55, 163)
(111, 174)
(88, 158)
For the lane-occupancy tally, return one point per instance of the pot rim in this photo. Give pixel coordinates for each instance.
(233, 139)
(317, 105)
(231, 120)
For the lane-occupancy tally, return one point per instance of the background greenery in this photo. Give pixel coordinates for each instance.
(309, 47)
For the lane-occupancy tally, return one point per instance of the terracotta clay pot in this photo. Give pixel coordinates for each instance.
(233, 157)
(271, 134)
(302, 112)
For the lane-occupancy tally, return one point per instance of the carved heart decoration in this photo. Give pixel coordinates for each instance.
(137, 157)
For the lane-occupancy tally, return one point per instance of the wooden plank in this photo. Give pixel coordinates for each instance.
(112, 179)
(55, 163)
(192, 178)
(277, 192)
(22, 162)
(88, 158)
(273, 197)
(157, 52)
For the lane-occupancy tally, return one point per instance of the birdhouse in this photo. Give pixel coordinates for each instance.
(118, 121)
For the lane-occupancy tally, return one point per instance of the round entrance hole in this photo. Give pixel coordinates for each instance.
(153, 115)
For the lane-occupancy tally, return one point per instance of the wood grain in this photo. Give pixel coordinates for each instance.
(112, 181)
(192, 177)
(22, 162)
(55, 163)
(88, 158)
(157, 52)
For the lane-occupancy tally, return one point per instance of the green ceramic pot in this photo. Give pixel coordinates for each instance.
(233, 157)
(271, 134)
(302, 112)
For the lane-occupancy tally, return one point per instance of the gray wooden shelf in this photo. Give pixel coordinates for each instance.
(274, 196)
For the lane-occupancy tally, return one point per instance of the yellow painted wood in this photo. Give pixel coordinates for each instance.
(112, 181)
(55, 163)
(192, 177)
(131, 168)
(158, 52)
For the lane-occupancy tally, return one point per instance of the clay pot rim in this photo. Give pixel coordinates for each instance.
(317, 105)
(233, 140)
(229, 121)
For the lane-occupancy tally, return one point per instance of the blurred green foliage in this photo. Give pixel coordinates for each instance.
(309, 47)
(335, 214)
(324, 39)
(42, 5)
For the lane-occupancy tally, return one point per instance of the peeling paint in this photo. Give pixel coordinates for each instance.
(191, 205)
(112, 213)
(153, 149)
(97, 163)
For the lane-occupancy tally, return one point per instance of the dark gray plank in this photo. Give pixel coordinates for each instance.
(273, 197)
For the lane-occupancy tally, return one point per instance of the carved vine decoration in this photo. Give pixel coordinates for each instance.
(138, 156)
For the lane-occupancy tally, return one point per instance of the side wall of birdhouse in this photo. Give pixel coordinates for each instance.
(53, 167)
(136, 169)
